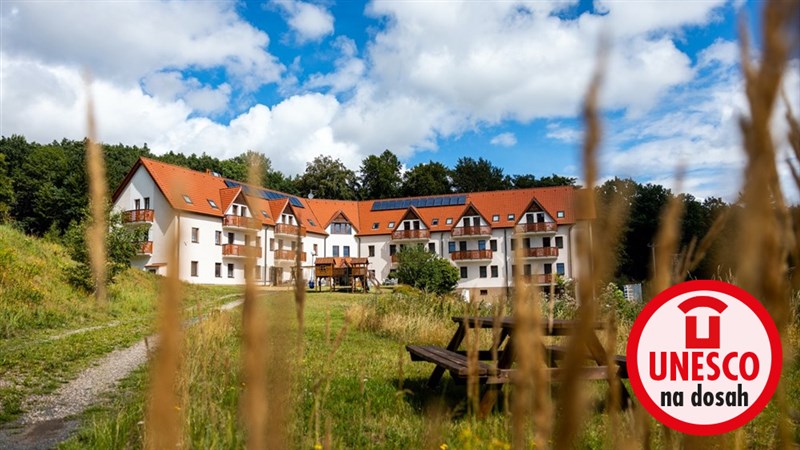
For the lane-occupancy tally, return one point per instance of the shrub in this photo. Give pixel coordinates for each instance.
(424, 270)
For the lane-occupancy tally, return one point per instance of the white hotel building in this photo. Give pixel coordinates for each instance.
(220, 221)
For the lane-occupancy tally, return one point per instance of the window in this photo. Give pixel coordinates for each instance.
(511, 217)
(195, 235)
(375, 225)
(451, 247)
(264, 213)
(481, 245)
(218, 270)
(464, 272)
(392, 249)
(371, 251)
(548, 268)
(341, 228)
(194, 268)
(137, 204)
(212, 204)
(435, 222)
(147, 203)
(271, 244)
(346, 251)
(432, 247)
(560, 241)
(496, 218)
(244, 211)
(391, 225)
(335, 250)
(526, 270)
(218, 237)
(560, 214)
(449, 221)
(315, 249)
(493, 245)
(235, 210)
(495, 272)
(230, 270)
(513, 270)
(258, 272)
(482, 271)
(540, 217)
(187, 199)
(230, 238)
(484, 292)
(258, 241)
(311, 222)
(513, 244)
(546, 242)
(560, 268)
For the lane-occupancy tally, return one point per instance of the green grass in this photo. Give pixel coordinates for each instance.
(39, 310)
(365, 393)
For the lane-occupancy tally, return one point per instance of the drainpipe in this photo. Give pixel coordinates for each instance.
(264, 272)
(325, 246)
(505, 261)
(177, 247)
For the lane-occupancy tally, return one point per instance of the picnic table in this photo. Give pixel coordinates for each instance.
(494, 373)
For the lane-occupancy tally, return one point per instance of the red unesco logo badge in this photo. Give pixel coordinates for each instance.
(704, 357)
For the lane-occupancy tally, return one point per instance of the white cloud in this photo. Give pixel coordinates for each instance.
(349, 69)
(309, 22)
(504, 140)
(171, 85)
(721, 51)
(564, 134)
(125, 41)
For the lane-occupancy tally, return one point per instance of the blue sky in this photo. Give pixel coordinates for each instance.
(428, 80)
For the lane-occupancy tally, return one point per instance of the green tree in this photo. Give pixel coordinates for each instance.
(6, 191)
(379, 176)
(425, 270)
(470, 175)
(328, 178)
(432, 178)
(122, 243)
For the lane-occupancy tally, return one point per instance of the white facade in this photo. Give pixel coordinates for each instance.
(213, 248)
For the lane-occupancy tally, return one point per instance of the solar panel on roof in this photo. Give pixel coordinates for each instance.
(296, 202)
(462, 199)
(437, 201)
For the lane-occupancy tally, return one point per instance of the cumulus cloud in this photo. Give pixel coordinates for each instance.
(309, 22)
(171, 85)
(504, 140)
(124, 41)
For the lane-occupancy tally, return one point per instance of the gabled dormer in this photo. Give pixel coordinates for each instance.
(536, 220)
(411, 227)
(471, 224)
(287, 222)
(236, 210)
(341, 224)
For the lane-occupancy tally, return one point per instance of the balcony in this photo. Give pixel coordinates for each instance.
(394, 258)
(145, 248)
(289, 255)
(537, 228)
(540, 252)
(289, 230)
(240, 251)
(411, 235)
(138, 216)
(471, 255)
(539, 279)
(471, 232)
(230, 221)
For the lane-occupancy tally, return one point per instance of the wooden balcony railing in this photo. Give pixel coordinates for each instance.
(289, 255)
(471, 231)
(411, 234)
(394, 258)
(241, 222)
(471, 255)
(241, 250)
(537, 227)
(145, 248)
(289, 230)
(138, 215)
(540, 252)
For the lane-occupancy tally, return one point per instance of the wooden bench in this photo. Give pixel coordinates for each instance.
(558, 352)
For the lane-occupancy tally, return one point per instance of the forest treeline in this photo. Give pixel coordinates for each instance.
(43, 189)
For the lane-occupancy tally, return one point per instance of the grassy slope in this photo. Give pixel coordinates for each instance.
(39, 309)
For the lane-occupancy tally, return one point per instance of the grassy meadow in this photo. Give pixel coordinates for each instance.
(351, 385)
(50, 330)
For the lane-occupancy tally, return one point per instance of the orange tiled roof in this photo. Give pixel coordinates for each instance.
(316, 215)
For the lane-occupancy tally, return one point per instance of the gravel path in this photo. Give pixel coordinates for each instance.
(49, 417)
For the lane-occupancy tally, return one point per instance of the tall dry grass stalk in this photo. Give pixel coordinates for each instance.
(96, 232)
(164, 417)
(571, 399)
(254, 395)
(765, 225)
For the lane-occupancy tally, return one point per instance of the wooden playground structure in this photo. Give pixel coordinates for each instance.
(343, 271)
